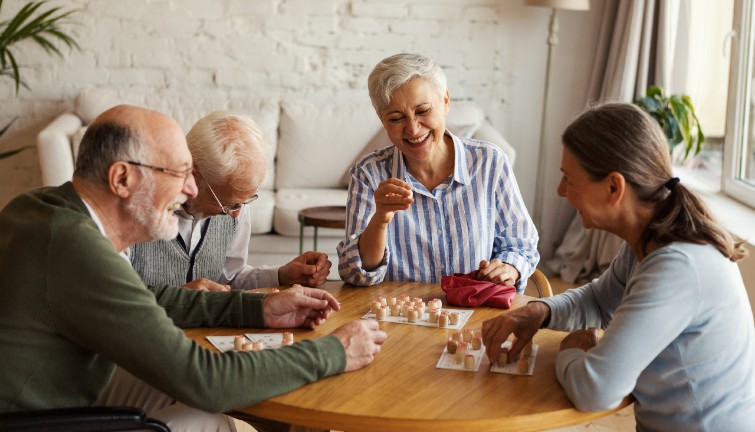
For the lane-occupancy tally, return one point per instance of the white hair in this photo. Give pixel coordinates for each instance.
(395, 71)
(229, 147)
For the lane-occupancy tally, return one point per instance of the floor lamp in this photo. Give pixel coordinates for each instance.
(552, 41)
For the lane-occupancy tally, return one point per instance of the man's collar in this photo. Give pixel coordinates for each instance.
(183, 214)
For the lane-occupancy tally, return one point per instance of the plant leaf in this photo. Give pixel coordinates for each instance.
(694, 124)
(16, 72)
(44, 29)
(649, 104)
(683, 120)
(13, 152)
(655, 91)
(9, 36)
(5, 129)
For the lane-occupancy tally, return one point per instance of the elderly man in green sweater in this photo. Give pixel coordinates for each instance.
(73, 309)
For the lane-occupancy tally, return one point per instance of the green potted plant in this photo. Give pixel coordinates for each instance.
(44, 27)
(676, 115)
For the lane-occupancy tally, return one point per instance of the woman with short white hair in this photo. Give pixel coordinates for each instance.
(432, 204)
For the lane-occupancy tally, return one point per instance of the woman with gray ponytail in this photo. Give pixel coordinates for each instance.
(679, 333)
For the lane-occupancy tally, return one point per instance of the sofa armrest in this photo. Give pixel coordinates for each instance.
(486, 132)
(54, 149)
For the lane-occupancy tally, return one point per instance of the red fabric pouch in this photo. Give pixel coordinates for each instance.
(465, 290)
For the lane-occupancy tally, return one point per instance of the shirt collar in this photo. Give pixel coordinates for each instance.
(124, 253)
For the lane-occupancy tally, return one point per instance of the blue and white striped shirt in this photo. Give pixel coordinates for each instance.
(476, 214)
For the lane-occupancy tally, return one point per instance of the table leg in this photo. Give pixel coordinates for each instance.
(315, 238)
(301, 237)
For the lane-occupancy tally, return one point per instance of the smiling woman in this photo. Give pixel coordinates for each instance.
(431, 204)
(659, 343)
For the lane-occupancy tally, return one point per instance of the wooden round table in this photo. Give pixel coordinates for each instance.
(320, 217)
(403, 390)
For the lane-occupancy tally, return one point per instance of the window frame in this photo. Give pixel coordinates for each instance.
(738, 127)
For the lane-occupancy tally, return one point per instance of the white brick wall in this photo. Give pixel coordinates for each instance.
(493, 52)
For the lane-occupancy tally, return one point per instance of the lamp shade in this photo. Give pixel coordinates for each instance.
(560, 4)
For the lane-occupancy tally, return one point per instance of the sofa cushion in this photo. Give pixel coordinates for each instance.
(288, 203)
(318, 142)
(262, 210)
(186, 110)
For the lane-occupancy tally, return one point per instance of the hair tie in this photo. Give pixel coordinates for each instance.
(671, 183)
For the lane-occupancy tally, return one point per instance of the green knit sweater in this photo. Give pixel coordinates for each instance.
(71, 309)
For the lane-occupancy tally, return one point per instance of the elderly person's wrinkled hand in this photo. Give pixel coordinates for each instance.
(310, 269)
(391, 196)
(582, 339)
(203, 284)
(522, 322)
(361, 340)
(498, 272)
(298, 307)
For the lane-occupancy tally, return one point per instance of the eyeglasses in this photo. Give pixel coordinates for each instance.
(182, 174)
(232, 208)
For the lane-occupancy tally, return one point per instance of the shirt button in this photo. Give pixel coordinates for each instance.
(440, 232)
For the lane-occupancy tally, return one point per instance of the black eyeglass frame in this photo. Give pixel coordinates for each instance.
(184, 174)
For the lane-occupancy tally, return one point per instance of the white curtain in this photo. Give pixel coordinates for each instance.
(640, 43)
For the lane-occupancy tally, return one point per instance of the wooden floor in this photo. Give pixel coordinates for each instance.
(622, 421)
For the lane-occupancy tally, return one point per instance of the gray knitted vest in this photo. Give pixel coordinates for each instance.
(167, 262)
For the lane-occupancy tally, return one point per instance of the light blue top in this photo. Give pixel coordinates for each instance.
(475, 214)
(678, 336)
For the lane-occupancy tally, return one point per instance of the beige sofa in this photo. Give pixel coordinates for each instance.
(312, 146)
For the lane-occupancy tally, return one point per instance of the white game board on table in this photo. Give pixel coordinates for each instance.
(448, 361)
(510, 368)
(424, 320)
(269, 340)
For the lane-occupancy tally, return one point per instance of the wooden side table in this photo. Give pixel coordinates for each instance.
(325, 217)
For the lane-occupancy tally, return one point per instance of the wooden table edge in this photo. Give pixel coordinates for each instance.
(347, 422)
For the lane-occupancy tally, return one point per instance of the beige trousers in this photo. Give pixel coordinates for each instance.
(127, 390)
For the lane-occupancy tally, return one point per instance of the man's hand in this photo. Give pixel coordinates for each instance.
(309, 268)
(391, 196)
(298, 307)
(582, 339)
(361, 340)
(498, 272)
(203, 284)
(522, 322)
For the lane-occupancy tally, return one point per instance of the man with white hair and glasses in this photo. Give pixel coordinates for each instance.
(210, 251)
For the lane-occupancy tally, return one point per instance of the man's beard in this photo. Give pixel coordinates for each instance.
(159, 223)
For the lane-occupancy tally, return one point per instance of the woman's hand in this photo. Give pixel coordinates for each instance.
(498, 272)
(391, 196)
(522, 322)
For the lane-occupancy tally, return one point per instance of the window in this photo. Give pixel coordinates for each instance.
(738, 178)
(706, 80)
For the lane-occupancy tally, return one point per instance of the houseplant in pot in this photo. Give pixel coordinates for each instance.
(676, 115)
(44, 28)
